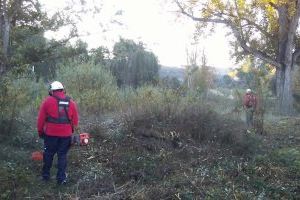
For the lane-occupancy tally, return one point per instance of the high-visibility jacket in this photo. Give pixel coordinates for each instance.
(55, 118)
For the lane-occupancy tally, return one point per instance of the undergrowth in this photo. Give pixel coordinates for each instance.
(150, 143)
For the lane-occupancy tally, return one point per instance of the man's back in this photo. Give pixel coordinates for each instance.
(49, 108)
(250, 100)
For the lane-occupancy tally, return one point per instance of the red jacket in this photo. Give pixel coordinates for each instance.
(249, 100)
(49, 107)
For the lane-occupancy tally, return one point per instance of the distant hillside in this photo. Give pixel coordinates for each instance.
(222, 71)
(172, 72)
(179, 72)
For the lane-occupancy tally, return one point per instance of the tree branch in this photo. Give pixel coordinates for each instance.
(251, 23)
(200, 19)
(273, 5)
(255, 52)
(236, 32)
(259, 28)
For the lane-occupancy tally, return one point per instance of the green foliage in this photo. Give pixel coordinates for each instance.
(18, 95)
(199, 78)
(91, 86)
(289, 157)
(257, 29)
(274, 175)
(100, 55)
(189, 115)
(54, 53)
(25, 31)
(206, 79)
(226, 82)
(13, 179)
(27, 46)
(132, 65)
(168, 132)
(169, 83)
(151, 101)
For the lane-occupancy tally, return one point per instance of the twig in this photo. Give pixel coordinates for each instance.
(141, 190)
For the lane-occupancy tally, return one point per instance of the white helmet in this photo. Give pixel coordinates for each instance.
(56, 86)
(248, 91)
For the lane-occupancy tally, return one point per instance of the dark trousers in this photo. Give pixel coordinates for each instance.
(249, 117)
(53, 145)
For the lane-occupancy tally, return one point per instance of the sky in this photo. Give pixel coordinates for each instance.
(153, 22)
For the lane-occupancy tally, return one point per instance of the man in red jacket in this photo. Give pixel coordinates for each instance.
(249, 103)
(57, 119)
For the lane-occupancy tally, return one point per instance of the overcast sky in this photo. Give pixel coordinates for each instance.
(154, 23)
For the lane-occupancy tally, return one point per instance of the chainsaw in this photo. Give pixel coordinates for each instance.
(81, 139)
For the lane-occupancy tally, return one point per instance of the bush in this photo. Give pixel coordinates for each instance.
(19, 98)
(167, 111)
(92, 86)
(150, 101)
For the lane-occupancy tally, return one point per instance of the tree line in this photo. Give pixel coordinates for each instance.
(25, 49)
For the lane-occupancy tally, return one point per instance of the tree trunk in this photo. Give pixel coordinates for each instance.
(284, 90)
(286, 41)
(279, 80)
(5, 34)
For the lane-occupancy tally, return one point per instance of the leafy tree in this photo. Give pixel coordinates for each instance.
(93, 86)
(100, 55)
(14, 14)
(23, 45)
(170, 83)
(31, 50)
(199, 78)
(246, 74)
(191, 67)
(56, 53)
(206, 76)
(266, 29)
(226, 81)
(133, 65)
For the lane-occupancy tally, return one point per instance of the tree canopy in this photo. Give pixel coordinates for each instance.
(266, 29)
(133, 65)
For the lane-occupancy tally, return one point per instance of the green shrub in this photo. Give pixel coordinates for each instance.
(154, 108)
(150, 101)
(92, 86)
(19, 100)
